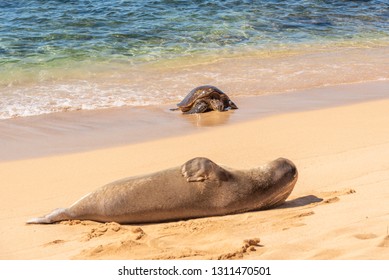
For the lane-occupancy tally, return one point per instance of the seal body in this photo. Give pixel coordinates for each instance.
(205, 98)
(199, 188)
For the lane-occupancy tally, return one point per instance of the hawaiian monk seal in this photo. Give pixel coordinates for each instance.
(199, 188)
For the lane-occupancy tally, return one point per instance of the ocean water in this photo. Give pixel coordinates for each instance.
(59, 55)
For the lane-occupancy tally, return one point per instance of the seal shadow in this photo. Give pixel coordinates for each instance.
(300, 201)
(297, 202)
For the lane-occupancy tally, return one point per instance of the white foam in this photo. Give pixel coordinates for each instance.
(147, 85)
(44, 99)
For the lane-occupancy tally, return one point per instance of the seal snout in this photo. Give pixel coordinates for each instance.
(282, 174)
(284, 170)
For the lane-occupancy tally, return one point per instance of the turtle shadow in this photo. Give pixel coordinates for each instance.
(300, 201)
(209, 119)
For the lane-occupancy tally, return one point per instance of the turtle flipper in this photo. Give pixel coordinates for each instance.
(199, 107)
(217, 105)
(200, 169)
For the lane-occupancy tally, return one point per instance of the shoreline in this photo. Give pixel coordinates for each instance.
(251, 73)
(338, 209)
(80, 131)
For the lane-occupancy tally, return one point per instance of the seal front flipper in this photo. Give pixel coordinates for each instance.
(200, 169)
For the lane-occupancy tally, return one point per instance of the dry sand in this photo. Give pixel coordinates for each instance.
(338, 210)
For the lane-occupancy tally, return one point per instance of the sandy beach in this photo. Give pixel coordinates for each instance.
(338, 209)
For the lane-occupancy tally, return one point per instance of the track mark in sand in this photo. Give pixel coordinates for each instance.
(327, 198)
(101, 230)
(78, 222)
(54, 242)
(249, 245)
(332, 197)
(385, 242)
(195, 225)
(345, 191)
(139, 233)
(314, 200)
(128, 240)
(114, 249)
(292, 221)
(180, 254)
(364, 236)
(294, 225)
(331, 200)
(350, 191)
(167, 241)
(305, 214)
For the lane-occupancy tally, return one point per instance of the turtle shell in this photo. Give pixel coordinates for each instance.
(197, 93)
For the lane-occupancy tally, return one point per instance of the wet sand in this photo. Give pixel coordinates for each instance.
(338, 137)
(78, 131)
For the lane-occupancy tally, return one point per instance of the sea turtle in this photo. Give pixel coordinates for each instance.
(205, 98)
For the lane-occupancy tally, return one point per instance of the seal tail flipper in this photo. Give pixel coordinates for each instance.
(57, 215)
(174, 109)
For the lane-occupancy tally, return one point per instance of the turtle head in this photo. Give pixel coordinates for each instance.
(217, 105)
(232, 105)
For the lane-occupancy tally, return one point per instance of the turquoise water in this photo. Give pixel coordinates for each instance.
(61, 51)
(43, 31)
